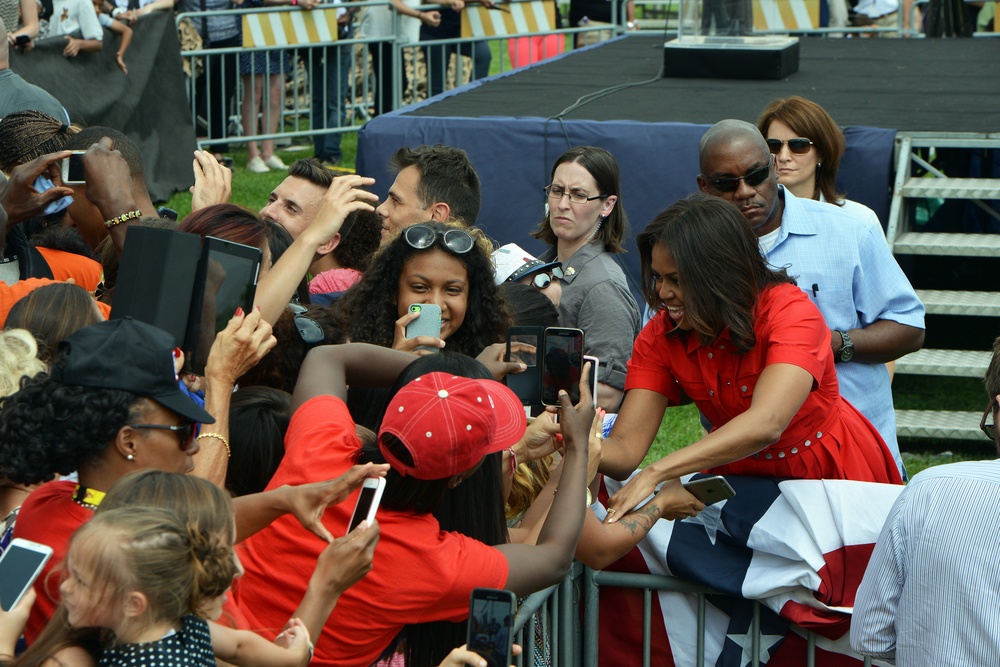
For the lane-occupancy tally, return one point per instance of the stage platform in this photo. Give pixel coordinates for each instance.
(515, 124)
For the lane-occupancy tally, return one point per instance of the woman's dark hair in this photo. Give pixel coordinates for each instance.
(231, 223)
(474, 508)
(360, 236)
(528, 306)
(48, 427)
(811, 121)
(602, 165)
(369, 309)
(279, 369)
(258, 419)
(719, 266)
(53, 312)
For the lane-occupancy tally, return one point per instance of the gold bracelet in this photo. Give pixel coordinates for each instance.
(131, 215)
(219, 437)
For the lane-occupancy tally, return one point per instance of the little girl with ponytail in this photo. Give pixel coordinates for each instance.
(140, 574)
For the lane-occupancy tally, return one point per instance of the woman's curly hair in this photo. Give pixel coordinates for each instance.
(48, 427)
(369, 309)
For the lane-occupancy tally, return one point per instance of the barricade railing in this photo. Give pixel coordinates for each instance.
(224, 101)
(295, 43)
(547, 624)
(793, 17)
(594, 579)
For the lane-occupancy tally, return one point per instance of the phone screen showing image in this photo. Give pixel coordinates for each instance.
(562, 364)
(17, 571)
(491, 619)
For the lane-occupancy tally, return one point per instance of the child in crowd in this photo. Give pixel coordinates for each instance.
(115, 26)
(139, 572)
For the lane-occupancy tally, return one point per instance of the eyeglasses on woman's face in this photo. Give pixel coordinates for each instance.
(557, 192)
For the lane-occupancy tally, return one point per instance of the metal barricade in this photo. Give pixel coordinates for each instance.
(233, 88)
(328, 91)
(547, 624)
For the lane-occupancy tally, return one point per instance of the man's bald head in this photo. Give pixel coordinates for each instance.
(728, 133)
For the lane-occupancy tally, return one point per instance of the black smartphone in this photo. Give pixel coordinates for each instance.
(562, 363)
(226, 280)
(491, 626)
(522, 345)
(21, 40)
(710, 490)
(20, 564)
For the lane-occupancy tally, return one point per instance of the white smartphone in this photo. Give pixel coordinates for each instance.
(428, 324)
(20, 565)
(368, 500)
(72, 169)
(710, 490)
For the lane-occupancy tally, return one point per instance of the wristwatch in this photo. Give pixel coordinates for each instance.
(846, 352)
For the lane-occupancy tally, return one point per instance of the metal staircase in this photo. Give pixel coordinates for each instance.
(904, 240)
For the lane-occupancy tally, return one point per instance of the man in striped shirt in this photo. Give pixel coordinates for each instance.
(929, 594)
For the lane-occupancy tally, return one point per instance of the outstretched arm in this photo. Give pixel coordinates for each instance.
(329, 369)
(247, 649)
(343, 197)
(780, 392)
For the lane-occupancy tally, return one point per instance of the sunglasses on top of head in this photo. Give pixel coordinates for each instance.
(422, 237)
(798, 146)
(753, 179)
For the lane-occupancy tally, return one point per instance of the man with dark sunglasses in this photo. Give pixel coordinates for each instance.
(928, 595)
(839, 260)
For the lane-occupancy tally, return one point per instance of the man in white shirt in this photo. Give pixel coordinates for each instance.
(77, 20)
(928, 597)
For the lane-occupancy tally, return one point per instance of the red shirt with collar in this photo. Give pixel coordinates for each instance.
(826, 439)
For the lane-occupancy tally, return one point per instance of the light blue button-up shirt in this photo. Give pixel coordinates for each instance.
(843, 264)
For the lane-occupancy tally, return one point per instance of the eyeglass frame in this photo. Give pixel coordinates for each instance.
(989, 429)
(309, 329)
(446, 236)
(568, 193)
(734, 181)
(192, 427)
(775, 149)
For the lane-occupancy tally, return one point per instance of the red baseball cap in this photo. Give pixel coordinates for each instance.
(449, 423)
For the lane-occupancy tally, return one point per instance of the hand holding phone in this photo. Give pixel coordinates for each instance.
(368, 500)
(710, 490)
(20, 564)
(562, 363)
(72, 169)
(491, 625)
(427, 323)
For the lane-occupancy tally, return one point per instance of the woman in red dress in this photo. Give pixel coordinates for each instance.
(746, 345)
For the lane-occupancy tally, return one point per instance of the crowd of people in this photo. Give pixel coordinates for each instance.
(193, 516)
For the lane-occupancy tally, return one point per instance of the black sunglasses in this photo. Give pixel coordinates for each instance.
(798, 146)
(310, 331)
(185, 432)
(753, 179)
(989, 429)
(422, 237)
(543, 279)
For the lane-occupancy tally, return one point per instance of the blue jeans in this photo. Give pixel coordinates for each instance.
(330, 79)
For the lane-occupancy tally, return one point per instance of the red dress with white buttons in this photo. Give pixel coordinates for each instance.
(827, 438)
